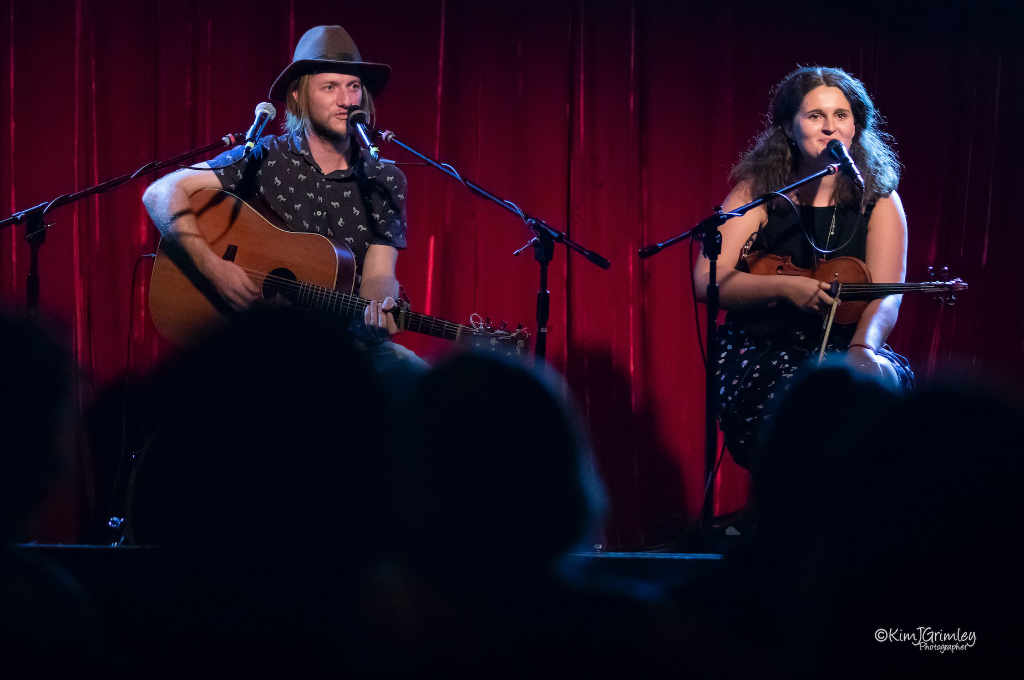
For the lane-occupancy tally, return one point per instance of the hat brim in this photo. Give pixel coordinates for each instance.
(374, 76)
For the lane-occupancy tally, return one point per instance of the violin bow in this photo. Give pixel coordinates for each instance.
(829, 320)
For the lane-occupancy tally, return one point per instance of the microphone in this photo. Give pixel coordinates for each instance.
(839, 152)
(357, 122)
(264, 113)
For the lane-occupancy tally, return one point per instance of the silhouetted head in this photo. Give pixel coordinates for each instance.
(37, 419)
(896, 519)
(933, 499)
(809, 447)
(273, 433)
(495, 464)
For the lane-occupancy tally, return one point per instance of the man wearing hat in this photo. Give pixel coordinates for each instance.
(313, 177)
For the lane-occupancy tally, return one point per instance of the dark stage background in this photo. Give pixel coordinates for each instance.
(617, 121)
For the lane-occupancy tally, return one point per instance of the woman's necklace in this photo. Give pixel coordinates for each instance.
(831, 228)
(809, 229)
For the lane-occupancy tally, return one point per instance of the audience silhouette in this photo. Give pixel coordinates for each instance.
(312, 514)
(266, 488)
(47, 622)
(877, 512)
(496, 486)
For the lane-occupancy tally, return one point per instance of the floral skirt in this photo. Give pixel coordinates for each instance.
(755, 372)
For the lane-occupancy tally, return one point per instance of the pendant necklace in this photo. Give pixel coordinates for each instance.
(831, 228)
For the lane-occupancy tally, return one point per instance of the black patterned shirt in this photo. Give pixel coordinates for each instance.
(358, 207)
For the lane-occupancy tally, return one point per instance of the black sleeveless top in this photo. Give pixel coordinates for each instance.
(785, 234)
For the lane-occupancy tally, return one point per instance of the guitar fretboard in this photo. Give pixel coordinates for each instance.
(352, 306)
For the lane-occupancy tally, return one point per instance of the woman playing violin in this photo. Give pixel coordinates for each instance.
(775, 323)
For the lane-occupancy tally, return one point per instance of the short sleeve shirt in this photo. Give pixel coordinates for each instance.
(361, 206)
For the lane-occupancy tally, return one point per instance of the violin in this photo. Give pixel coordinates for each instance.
(850, 282)
(850, 286)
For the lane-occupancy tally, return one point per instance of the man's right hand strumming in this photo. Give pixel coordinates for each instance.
(167, 203)
(231, 281)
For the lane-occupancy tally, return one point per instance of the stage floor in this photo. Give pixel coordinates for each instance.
(104, 566)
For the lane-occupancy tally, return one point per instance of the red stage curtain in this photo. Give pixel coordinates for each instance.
(617, 121)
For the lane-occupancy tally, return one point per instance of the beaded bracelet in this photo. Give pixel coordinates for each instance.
(867, 347)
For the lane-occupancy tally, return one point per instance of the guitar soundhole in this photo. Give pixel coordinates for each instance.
(280, 285)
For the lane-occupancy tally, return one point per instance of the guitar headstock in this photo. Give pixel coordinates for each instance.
(946, 287)
(498, 337)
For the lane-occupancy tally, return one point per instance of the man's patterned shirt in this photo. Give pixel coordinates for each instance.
(358, 207)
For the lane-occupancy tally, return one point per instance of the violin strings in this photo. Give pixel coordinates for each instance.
(880, 289)
(868, 287)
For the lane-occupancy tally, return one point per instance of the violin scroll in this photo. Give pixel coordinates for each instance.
(946, 294)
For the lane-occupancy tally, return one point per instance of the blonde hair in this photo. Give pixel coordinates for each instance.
(297, 108)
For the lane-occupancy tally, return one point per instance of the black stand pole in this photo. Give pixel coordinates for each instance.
(545, 236)
(711, 239)
(34, 218)
(712, 243)
(35, 234)
(543, 251)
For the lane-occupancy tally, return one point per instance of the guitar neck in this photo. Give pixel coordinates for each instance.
(352, 306)
(431, 325)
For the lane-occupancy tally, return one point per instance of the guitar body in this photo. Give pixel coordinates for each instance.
(183, 304)
(308, 270)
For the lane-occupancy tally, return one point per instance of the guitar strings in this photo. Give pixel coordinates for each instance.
(325, 296)
(350, 303)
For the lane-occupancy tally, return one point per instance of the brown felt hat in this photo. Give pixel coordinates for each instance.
(329, 49)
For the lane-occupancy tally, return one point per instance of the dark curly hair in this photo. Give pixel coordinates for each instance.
(772, 162)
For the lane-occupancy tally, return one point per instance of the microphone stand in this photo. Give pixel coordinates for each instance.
(34, 218)
(711, 239)
(543, 241)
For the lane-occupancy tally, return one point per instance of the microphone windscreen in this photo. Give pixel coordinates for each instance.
(836, 148)
(267, 108)
(359, 116)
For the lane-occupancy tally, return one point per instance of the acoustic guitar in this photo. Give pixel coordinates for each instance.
(308, 270)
